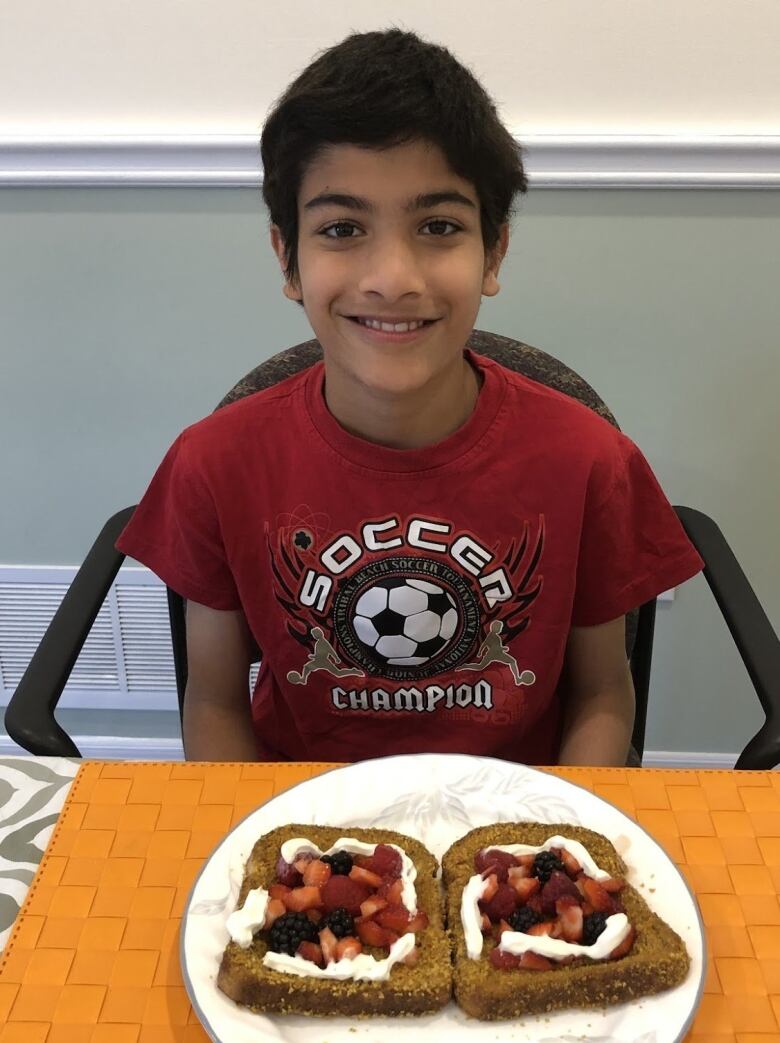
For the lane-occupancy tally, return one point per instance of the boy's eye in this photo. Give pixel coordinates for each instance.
(335, 228)
(439, 221)
(435, 223)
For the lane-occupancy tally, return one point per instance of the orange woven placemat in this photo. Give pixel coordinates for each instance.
(93, 957)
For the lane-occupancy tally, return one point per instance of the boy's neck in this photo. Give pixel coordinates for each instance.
(410, 421)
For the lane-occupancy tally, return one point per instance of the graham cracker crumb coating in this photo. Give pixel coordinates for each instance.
(421, 989)
(657, 961)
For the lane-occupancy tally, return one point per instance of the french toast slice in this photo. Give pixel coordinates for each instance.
(416, 989)
(657, 960)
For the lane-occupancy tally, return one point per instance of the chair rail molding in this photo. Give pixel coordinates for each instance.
(132, 748)
(643, 161)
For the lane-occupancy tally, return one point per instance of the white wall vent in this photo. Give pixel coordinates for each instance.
(127, 660)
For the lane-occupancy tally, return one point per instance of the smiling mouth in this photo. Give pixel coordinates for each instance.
(392, 327)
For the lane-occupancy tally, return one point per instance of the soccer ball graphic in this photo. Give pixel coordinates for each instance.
(405, 622)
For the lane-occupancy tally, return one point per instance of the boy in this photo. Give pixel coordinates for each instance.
(433, 553)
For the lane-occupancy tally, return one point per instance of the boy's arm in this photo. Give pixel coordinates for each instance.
(217, 723)
(598, 695)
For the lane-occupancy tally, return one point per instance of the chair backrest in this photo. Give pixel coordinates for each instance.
(515, 355)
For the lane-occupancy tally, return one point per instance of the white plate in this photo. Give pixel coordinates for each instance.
(438, 798)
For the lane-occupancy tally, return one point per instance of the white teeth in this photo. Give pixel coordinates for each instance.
(389, 327)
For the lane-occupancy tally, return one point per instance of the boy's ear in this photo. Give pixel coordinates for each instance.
(490, 283)
(290, 291)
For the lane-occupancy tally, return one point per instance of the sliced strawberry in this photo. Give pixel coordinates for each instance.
(526, 886)
(411, 957)
(538, 930)
(565, 901)
(302, 861)
(316, 873)
(535, 903)
(601, 901)
(275, 909)
(348, 948)
(372, 905)
(311, 951)
(279, 890)
(532, 961)
(486, 924)
(342, 892)
(518, 873)
(370, 933)
(385, 861)
(365, 877)
(558, 885)
(625, 946)
(498, 862)
(614, 885)
(418, 922)
(502, 904)
(570, 863)
(391, 890)
(328, 942)
(491, 886)
(570, 919)
(302, 898)
(504, 961)
(587, 909)
(394, 918)
(287, 874)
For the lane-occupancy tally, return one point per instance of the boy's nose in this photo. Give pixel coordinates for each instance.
(392, 271)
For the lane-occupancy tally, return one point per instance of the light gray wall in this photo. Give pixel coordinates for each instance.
(126, 314)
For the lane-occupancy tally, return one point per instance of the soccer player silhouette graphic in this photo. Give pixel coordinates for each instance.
(323, 657)
(493, 650)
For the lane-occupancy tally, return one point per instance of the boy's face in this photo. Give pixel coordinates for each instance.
(391, 260)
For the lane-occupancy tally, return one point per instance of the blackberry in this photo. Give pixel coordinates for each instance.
(339, 921)
(289, 931)
(545, 864)
(522, 919)
(592, 926)
(340, 864)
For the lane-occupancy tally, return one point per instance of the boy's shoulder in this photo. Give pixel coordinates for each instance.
(258, 412)
(550, 413)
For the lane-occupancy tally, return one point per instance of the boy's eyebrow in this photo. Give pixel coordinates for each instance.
(423, 201)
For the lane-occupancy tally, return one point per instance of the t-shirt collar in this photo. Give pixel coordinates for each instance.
(382, 458)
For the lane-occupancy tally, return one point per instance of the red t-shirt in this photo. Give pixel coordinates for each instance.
(410, 600)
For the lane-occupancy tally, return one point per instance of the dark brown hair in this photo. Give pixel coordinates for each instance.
(378, 90)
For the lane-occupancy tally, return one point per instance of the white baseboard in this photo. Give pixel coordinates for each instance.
(110, 747)
(694, 759)
(129, 748)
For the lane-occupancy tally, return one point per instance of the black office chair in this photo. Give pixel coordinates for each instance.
(29, 718)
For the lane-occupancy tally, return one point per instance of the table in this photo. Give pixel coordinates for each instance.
(93, 955)
(32, 793)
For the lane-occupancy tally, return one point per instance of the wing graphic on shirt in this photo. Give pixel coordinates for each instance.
(521, 563)
(288, 565)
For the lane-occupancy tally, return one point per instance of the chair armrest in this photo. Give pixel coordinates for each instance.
(756, 641)
(29, 717)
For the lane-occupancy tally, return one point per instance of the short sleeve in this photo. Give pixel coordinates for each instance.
(175, 532)
(632, 544)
